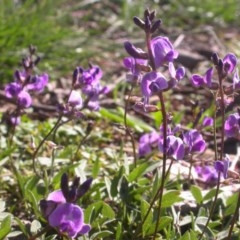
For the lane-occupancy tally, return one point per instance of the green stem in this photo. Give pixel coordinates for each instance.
(234, 217)
(41, 144)
(128, 131)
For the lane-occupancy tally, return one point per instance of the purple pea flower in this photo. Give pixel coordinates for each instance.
(194, 141)
(163, 51)
(176, 75)
(222, 166)
(200, 81)
(62, 212)
(236, 80)
(67, 217)
(75, 99)
(229, 63)
(12, 90)
(231, 125)
(207, 174)
(152, 82)
(207, 122)
(175, 147)
(24, 99)
(133, 64)
(146, 143)
(38, 83)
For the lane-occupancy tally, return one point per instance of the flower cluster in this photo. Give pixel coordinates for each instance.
(144, 66)
(88, 80)
(225, 67)
(62, 212)
(23, 85)
(188, 142)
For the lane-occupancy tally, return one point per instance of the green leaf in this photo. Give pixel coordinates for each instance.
(170, 197)
(197, 193)
(119, 231)
(137, 172)
(189, 235)
(5, 227)
(164, 222)
(231, 204)
(149, 220)
(210, 194)
(107, 211)
(101, 234)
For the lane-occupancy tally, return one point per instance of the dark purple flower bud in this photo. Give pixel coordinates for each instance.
(24, 99)
(139, 22)
(84, 188)
(155, 25)
(231, 126)
(20, 77)
(135, 52)
(147, 24)
(194, 141)
(163, 51)
(215, 59)
(207, 122)
(152, 15)
(222, 166)
(12, 90)
(64, 187)
(229, 63)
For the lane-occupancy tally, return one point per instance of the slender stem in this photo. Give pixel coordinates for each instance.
(222, 109)
(234, 217)
(128, 131)
(42, 142)
(212, 207)
(153, 200)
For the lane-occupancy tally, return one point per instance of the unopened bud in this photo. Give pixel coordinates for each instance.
(155, 25)
(139, 22)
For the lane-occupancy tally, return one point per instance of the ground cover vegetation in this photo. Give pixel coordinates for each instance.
(119, 121)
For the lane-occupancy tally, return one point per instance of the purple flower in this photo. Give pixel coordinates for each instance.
(206, 80)
(222, 166)
(38, 83)
(146, 143)
(12, 90)
(194, 141)
(175, 147)
(207, 122)
(133, 64)
(176, 75)
(67, 217)
(236, 80)
(152, 82)
(207, 174)
(163, 51)
(61, 211)
(14, 120)
(229, 63)
(231, 126)
(75, 99)
(24, 99)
